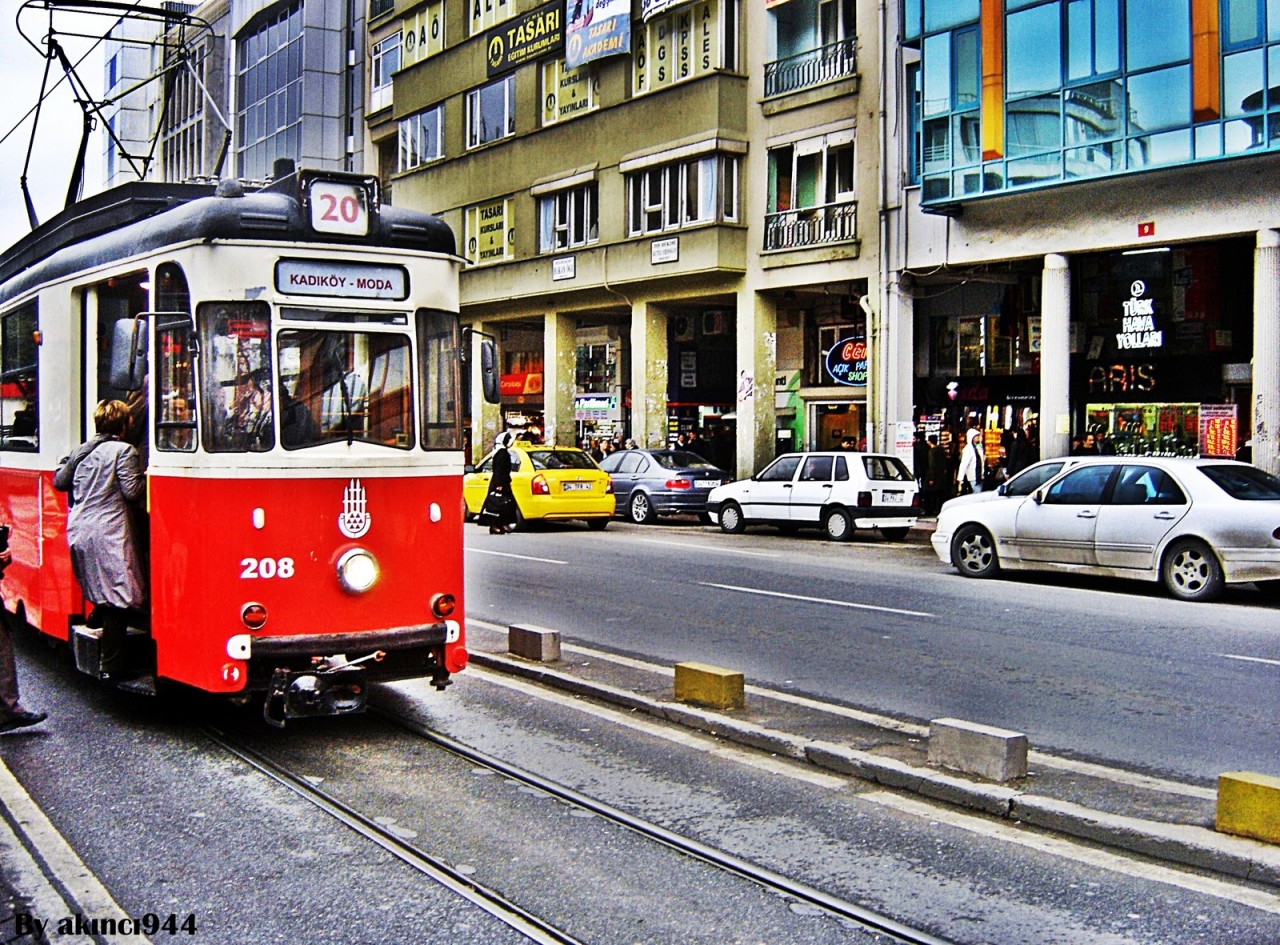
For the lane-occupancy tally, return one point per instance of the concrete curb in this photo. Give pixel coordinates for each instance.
(1176, 843)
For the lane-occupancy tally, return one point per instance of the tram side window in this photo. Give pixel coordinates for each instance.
(175, 385)
(438, 350)
(236, 376)
(19, 376)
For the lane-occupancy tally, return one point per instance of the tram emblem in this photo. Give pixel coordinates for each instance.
(355, 519)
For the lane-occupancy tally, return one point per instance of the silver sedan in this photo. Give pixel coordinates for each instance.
(1192, 524)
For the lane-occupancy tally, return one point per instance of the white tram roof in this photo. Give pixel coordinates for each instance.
(143, 215)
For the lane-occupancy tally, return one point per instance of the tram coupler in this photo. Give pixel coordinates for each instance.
(294, 694)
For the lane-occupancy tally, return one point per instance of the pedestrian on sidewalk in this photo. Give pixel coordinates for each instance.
(499, 509)
(12, 714)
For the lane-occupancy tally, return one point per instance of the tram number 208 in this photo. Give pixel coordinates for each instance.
(266, 568)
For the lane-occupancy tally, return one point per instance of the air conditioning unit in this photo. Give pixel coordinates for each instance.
(682, 327)
(713, 323)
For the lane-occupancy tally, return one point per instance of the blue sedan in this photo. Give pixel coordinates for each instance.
(649, 483)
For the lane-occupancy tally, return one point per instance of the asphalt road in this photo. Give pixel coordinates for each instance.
(1108, 671)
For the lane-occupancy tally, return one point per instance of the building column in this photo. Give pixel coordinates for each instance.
(757, 341)
(559, 378)
(1055, 357)
(649, 375)
(486, 418)
(1266, 352)
(899, 329)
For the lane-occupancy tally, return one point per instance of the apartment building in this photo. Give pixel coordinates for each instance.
(669, 209)
(1086, 234)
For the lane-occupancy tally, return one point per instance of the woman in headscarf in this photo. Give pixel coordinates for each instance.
(499, 511)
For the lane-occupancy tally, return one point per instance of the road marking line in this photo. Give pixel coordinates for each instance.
(1118, 775)
(508, 554)
(819, 600)
(63, 865)
(1263, 900)
(1248, 659)
(727, 551)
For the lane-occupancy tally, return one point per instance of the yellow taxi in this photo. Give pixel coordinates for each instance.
(550, 483)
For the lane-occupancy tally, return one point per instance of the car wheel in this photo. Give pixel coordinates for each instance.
(973, 552)
(597, 524)
(837, 524)
(1190, 571)
(519, 525)
(641, 509)
(894, 534)
(731, 520)
(467, 515)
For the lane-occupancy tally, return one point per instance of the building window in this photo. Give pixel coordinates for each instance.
(424, 33)
(269, 93)
(384, 62)
(568, 219)
(19, 373)
(489, 232)
(813, 43)
(491, 112)
(685, 193)
(487, 13)
(693, 41)
(421, 138)
(183, 133)
(811, 193)
(568, 93)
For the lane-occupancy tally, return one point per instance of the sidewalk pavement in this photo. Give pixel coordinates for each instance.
(1161, 819)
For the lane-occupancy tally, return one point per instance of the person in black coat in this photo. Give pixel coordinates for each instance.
(499, 510)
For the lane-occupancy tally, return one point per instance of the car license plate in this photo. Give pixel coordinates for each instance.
(707, 483)
(577, 487)
(892, 498)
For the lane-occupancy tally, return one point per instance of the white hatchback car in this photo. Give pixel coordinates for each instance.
(836, 492)
(1192, 524)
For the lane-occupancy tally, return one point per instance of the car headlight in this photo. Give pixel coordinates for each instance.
(358, 570)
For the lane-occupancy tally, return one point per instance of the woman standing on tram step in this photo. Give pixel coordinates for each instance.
(499, 510)
(104, 478)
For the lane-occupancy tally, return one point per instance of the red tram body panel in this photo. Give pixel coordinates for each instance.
(207, 545)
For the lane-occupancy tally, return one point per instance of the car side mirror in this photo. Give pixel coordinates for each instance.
(1002, 489)
(469, 468)
(1038, 495)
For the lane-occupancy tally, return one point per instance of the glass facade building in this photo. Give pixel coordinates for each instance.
(1020, 93)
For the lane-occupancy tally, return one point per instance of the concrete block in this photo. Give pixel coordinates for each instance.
(710, 686)
(534, 643)
(1249, 805)
(994, 753)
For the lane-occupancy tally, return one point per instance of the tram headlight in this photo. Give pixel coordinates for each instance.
(358, 570)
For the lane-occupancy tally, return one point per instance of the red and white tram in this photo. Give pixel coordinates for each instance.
(294, 354)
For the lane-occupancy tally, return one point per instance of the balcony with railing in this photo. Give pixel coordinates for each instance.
(811, 226)
(814, 67)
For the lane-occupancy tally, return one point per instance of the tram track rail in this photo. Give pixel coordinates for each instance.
(515, 916)
(488, 900)
(768, 879)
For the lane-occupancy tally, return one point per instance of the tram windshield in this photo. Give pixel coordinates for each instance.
(331, 384)
(344, 385)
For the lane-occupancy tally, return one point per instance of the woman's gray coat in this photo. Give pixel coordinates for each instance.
(104, 552)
